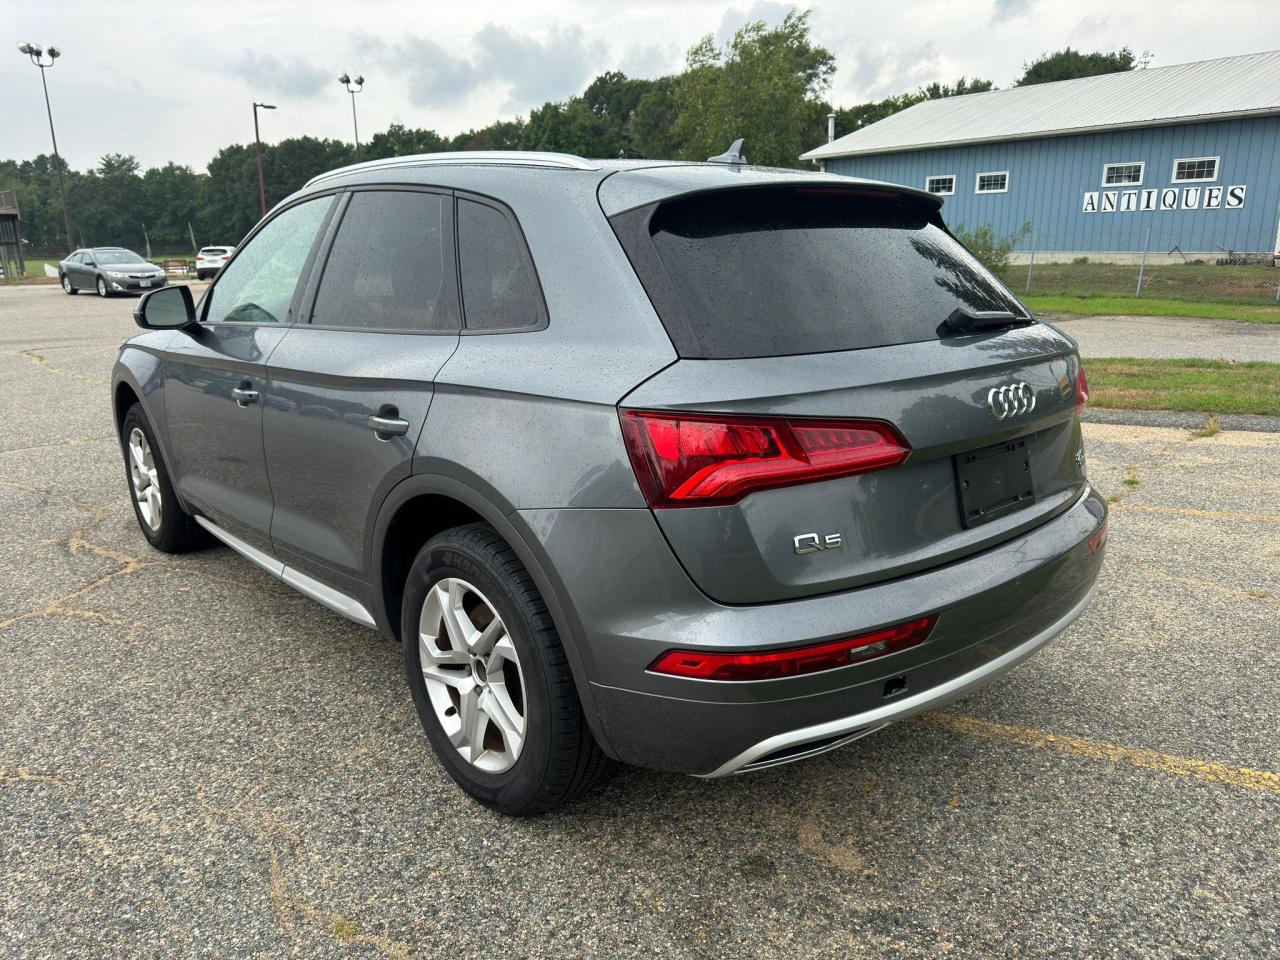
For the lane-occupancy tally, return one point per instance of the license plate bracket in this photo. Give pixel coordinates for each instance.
(994, 481)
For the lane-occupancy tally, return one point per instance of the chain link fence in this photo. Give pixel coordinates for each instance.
(1227, 269)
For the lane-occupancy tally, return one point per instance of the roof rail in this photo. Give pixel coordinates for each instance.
(524, 158)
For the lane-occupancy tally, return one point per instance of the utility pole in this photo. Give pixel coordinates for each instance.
(257, 142)
(346, 80)
(36, 54)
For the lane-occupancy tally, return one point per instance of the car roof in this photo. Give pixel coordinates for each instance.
(622, 184)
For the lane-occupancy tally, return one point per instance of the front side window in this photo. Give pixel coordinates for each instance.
(499, 288)
(993, 182)
(391, 266)
(258, 285)
(942, 186)
(1121, 173)
(1198, 169)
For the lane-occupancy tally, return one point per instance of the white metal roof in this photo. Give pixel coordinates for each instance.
(1183, 93)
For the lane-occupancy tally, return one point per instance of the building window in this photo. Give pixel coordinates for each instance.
(943, 186)
(1122, 173)
(1195, 170)
(993, 182)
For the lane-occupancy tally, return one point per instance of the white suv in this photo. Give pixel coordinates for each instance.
(210, 260)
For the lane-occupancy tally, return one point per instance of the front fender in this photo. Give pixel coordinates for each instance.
(140, 366)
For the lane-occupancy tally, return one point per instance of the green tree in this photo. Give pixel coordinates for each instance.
(171, 200)
(400, 141)
(653, 124)
(573, 127)
(501, 135)
(758, 87)
(1068, 64)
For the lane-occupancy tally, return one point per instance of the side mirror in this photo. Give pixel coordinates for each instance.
(165, 309)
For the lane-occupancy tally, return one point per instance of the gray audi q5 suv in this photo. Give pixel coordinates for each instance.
(700, 467)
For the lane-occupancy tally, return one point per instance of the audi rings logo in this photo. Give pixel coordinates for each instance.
(1011, 400)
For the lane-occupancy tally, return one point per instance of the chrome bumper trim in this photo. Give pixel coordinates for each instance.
(848, 729)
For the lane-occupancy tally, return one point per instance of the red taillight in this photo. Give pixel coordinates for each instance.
(772, 664)
(690, 459)
(1082, 390)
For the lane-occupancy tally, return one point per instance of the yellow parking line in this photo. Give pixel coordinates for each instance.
(1209, 514)
(1259, 780)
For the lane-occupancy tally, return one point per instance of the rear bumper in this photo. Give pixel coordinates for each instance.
(819, 738)
(630, 601)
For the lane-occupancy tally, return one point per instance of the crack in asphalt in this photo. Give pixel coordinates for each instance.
(39, 360)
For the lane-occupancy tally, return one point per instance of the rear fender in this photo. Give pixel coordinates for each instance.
(514, 531)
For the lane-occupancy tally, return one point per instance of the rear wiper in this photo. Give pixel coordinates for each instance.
(964, 320)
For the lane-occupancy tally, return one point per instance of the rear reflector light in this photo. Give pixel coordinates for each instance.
(690, 459)
(1082, 390)
(772, 664)
(1099, 537)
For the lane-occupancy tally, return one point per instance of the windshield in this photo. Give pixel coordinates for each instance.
(781, 271)
(117, 256)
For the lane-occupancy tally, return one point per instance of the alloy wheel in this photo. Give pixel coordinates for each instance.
(66, 283)
(142, 475)
(102, 287)
(473, 675)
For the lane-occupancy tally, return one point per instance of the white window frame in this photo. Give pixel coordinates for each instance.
(977, 181)
(1142, 173)
(941, 176)
(1217, 166)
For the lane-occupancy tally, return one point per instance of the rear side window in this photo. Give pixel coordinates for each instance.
(499, 288)
(391, 265)
(775, 272)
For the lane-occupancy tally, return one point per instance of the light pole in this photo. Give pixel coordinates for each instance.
(36, 53)
(257, 143)
(347, 82)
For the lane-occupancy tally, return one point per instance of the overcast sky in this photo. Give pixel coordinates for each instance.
(168, 81)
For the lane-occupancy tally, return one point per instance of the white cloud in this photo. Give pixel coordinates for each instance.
(185, 91)
(292, 76)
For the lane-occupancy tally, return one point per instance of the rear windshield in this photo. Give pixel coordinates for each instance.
(774, 272)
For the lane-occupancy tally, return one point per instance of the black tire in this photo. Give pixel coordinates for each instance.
(101, 284)
(67, 288)
(560, 758)
(200, 275)
(178, 531)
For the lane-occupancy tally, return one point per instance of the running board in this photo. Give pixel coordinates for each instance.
(337, 602)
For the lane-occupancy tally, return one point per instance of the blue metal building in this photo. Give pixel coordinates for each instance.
(1183, 158)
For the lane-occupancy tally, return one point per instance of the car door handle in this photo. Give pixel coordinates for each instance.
(386, 427)
(244, 396)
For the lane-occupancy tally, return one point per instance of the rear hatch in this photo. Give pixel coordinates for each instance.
(825, 426)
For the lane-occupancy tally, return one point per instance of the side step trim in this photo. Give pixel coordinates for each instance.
(336, 601)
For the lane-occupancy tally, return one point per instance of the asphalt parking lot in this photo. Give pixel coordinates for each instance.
(1159, 338)
(194, 760)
